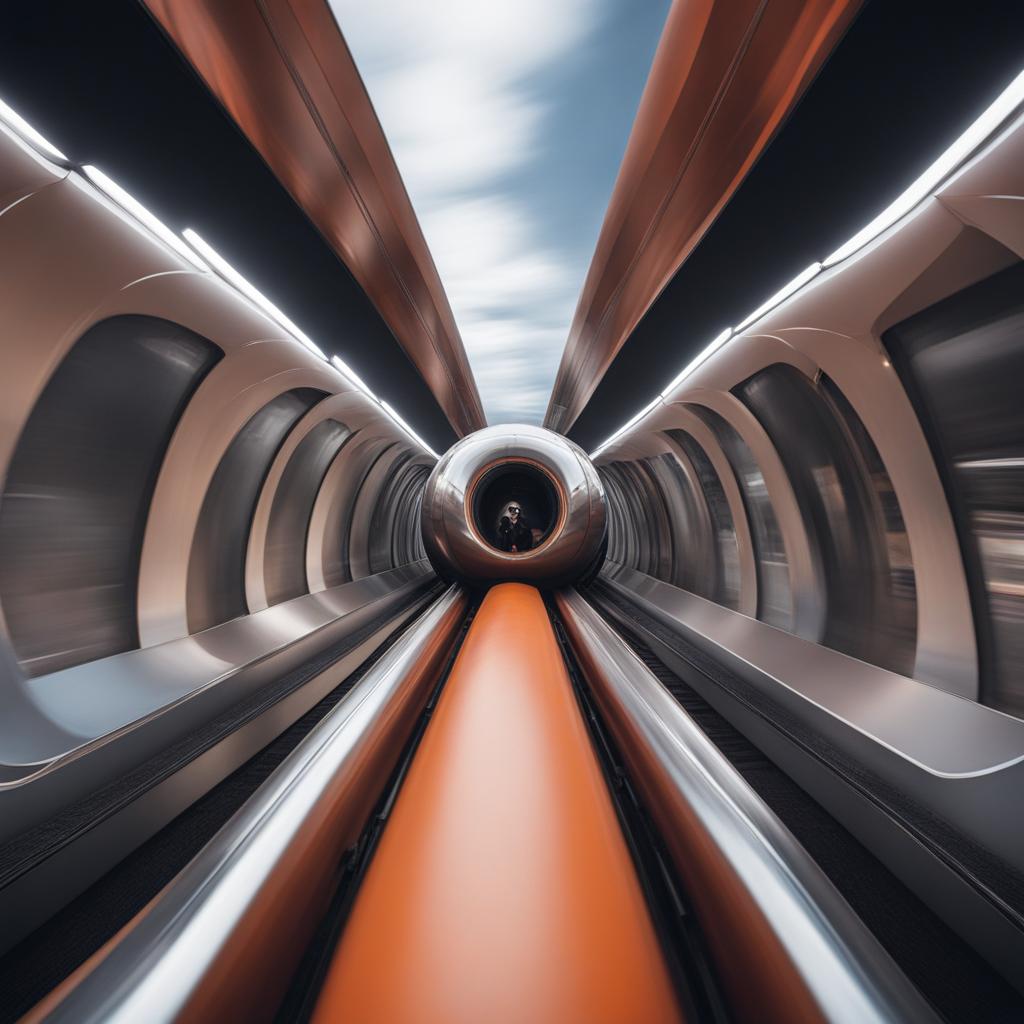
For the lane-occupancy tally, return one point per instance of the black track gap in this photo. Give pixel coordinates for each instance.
(682, 941)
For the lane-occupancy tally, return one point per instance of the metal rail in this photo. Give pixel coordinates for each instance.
(222, 941)
(786, 943)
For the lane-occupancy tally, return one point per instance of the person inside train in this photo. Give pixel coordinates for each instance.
(514, 533)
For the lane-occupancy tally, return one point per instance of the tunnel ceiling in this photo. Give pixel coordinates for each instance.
(901, 85)
(109, 89)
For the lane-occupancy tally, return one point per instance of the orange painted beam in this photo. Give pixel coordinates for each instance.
(502, 889)
(724, 79)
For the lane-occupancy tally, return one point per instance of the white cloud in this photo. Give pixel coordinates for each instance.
(450, 82)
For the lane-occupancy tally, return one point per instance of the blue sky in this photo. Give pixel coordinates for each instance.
(508, 121)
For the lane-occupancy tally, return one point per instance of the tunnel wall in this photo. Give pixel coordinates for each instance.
(847, 468)
(171, 458)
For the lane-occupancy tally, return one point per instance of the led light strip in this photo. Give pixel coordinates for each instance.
(15, 121)
(346, 371)
(805, 275)
(412, 433)
(249, 290)
(927, 184)
(626, 426)
(233, 277)
(694, 363)
(131, 205)
(933, 177)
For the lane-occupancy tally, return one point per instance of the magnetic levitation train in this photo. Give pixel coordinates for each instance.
(323, 701)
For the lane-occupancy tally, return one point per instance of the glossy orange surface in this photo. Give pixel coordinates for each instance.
(502, 890)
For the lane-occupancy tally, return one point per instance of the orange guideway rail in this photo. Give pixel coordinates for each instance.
(502, 889)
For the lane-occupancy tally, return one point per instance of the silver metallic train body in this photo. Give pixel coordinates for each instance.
(828, 504)
(194, 502)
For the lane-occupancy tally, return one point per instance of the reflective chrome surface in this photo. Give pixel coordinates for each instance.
(222, 940)
(814, 955)
(284, 560)
(216, 568)
(774, 596)
(91, 729)
(456, 545)
(862, 523)
(726, 589)
(954, 761)
(964, 361)
(157, 495)
(80, 478)
(871, 612)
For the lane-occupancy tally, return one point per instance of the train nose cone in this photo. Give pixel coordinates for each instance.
(514, 502)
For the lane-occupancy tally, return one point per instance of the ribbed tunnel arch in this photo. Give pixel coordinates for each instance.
(718, 719)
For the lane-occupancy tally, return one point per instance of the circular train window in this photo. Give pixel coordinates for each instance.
(509, 486)
(547, 477)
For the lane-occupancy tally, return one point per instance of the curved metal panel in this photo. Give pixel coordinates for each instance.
(775, 598)
(963, 362)
(216, 568)
(631, 519)
(360, 529)
(660, 537)
(382, 522)
(284, 559)
(327, 551)
(79, 486)
(869, 612)
(727, 584)
(724, 78)
(23, 169)
(209, 947)
(697, 568)
(283, 72)
(394, 529)
(621, 528)
(919, 775)
(247, 379)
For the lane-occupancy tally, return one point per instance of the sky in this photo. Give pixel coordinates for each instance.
(508, 122)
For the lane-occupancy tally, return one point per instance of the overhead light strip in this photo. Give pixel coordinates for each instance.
(233, 277)
(132, 206)
(346, 371)
(15, 121)
(412, 433)
(626, 426)
(249, 290)
(780, 296)
(719, 341)
(194, 249)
